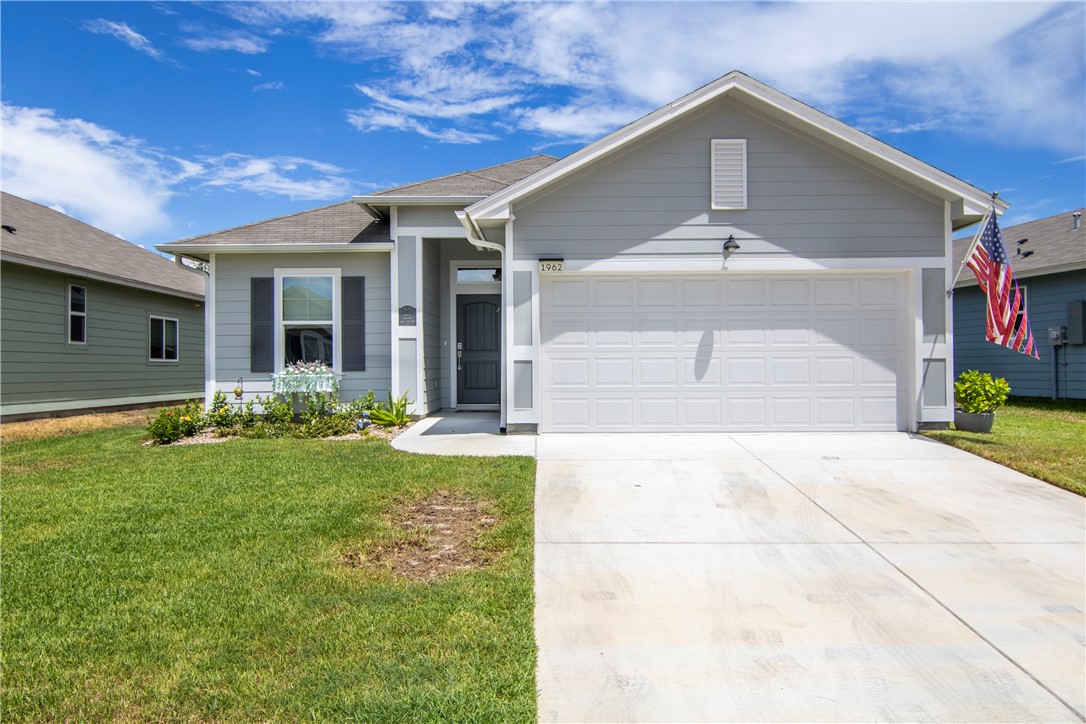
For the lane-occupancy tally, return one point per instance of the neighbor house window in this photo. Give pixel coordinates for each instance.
(77, 314)
(307, 316)
(163, 340)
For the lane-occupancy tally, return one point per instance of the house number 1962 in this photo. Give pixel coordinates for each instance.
(551, 265)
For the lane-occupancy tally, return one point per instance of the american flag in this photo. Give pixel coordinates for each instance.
(989, 263)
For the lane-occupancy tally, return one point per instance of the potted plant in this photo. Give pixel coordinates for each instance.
(977, 396)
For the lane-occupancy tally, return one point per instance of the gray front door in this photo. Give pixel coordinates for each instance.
(478, 349)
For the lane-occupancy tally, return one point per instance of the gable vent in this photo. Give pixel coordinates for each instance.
(729, 173)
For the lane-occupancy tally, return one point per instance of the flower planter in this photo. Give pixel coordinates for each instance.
(974, 421)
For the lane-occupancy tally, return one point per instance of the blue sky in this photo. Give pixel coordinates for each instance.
(157, 121)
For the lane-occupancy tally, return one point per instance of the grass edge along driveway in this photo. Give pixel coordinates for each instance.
(1045, 439)
(206, 582)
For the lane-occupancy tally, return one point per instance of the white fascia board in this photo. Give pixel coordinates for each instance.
(279, 248)
(98, 276)
(801, 114)
(416, 200)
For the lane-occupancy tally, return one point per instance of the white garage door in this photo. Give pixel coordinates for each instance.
(734, 352)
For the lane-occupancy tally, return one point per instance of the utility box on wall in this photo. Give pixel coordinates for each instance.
(1076, 322)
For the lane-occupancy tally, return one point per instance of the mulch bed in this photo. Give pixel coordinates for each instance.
(206, 437)
(445, 528)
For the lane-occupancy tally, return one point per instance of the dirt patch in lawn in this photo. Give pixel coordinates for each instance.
(443, 531)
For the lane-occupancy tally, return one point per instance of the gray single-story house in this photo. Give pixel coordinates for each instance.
(735, 261)
(90, 321)
(1048, 257)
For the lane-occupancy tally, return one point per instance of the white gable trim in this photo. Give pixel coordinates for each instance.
(973, 201)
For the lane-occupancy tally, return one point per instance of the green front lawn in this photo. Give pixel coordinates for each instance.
(1042, 438)
(206, 582)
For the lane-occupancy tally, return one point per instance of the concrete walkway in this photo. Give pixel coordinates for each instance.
(463, 433)
(770, 577)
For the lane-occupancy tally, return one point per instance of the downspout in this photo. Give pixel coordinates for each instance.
(475, 238)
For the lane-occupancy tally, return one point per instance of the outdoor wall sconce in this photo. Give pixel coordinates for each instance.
(730, 246)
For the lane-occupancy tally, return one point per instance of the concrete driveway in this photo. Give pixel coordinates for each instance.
(793, 577)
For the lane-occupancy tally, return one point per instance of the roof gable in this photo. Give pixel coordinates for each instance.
(49, 239)
(968, 202)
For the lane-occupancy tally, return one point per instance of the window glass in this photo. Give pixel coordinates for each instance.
(156, 338)
(307, 299)
(170, 341)
(77, 328)
(308, 344)
(478, 275)
(78, 300)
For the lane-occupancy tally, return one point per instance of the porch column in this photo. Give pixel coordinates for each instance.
(406, 317)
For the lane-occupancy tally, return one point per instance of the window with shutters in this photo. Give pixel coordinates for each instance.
(307, 315)
(728, 173)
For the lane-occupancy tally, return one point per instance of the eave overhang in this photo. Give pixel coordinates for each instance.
(98, 276)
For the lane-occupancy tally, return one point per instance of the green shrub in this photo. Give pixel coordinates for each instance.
(978, 392)
(277, 411)
(323, 427)
(393, 413)
(165, 427)
(222, 415)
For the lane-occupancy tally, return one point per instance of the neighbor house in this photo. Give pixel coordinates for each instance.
(735, 260)
(90, 321)
(1048, 257)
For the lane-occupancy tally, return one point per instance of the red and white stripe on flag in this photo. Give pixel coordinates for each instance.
(989, 263)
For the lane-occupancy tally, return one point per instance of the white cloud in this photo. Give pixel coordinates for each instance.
(1073, 159)
(970, 67)
(254, 73)
(295, 178)
(124, 33)
(368, 120)
(273, 85)
(122, 185)
(238, 41)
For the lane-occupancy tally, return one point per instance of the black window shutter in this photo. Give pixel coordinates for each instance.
(354, 324)
(261, 324)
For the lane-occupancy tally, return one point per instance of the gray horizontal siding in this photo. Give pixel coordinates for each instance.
(802, 200)
(431, 221)
(1048, 298)
(232, 275)
(40, 367)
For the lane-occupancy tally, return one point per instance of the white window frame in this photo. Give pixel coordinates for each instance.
(741, 144)
(70, 314)
(336, 321)
(177, 342)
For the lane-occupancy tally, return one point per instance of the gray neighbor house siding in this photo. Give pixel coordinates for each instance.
(44, 372)
(40, 368)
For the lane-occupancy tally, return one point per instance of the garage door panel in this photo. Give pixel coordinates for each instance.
(791, 353)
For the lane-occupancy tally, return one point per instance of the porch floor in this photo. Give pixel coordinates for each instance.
(450, 432)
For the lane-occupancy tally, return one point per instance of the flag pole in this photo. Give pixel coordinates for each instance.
(973, 245)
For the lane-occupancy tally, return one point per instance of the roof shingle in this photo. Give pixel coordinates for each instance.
(1054, 241)
(44, 235)
(482, 182)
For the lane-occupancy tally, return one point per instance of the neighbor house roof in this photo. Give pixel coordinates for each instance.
(968, 203)
(341, 225)
(480, 183)
(37, 236)
(1056, 244)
